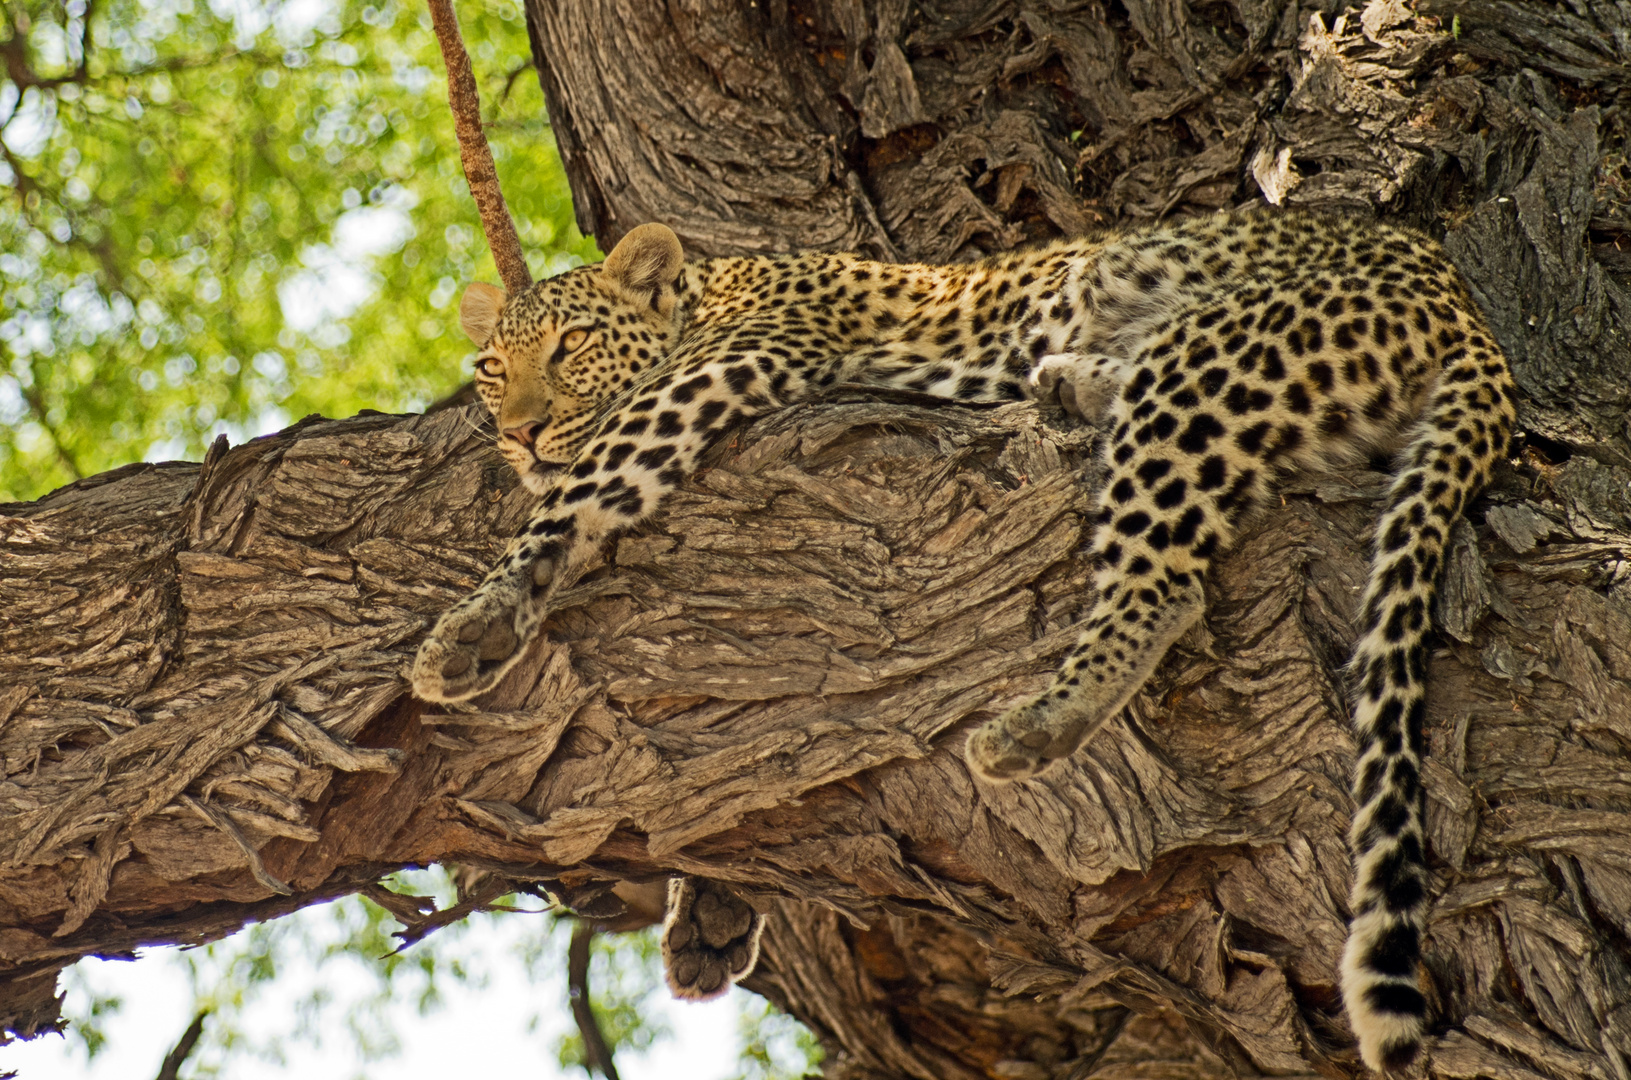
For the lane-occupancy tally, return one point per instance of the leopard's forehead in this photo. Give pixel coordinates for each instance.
(551, 304)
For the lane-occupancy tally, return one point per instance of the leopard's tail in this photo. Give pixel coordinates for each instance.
(1450, 455)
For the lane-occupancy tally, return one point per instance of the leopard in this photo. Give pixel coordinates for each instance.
(1220, 354)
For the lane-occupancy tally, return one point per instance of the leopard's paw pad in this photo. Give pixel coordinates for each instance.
(710, 938)
(470, 647)
(1015, 746)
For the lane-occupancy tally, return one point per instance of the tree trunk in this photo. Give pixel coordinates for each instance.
(202, 709)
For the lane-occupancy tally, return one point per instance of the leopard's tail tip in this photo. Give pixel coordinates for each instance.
(1387, 1010)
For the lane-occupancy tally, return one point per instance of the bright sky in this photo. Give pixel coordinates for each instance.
(474, 1030)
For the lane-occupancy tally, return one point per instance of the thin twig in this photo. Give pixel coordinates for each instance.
(514, 74)
(477, 159)
(419, 915)
(84, 70)
(214, 815)
(183, 1047)
(599, 1055)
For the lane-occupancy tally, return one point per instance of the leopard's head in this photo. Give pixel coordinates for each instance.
(552, 354)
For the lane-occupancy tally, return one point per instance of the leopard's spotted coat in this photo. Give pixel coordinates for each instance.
(1229, 351)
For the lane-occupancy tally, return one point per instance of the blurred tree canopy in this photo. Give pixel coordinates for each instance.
(332, 976)
(220, 215)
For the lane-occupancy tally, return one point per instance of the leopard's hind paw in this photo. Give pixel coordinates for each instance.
(710, 938)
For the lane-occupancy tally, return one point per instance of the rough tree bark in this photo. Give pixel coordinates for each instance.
(202, 711)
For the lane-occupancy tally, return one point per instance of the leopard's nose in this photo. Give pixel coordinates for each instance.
(525, 434)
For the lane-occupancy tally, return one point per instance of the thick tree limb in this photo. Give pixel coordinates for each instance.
(771, 688)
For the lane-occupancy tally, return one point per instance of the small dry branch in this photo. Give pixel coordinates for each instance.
(596, 1051)
(183, 1048)
(479, 171)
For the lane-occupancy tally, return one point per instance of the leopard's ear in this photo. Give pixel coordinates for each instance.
(645, 264)
(479, 311)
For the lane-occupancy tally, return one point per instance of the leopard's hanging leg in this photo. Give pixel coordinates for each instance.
(1177, 485)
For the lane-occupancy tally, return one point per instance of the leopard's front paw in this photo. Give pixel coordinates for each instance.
(710, 938)
(1083, 385)
(1019, 744)
(477, 641)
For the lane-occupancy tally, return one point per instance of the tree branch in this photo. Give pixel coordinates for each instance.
(25, 77)
(479, 170)
(595, 1049)
(37, 406)
(783, 708)
(83, 69)
(183, 1048)
(102, 251)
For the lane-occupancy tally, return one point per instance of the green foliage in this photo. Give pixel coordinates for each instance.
(91, 1009)
(300, 957)
(332, 977)
(223, 216)
(774, 1045)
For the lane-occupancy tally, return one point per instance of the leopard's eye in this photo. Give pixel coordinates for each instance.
(490, 366)
(574, 339)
